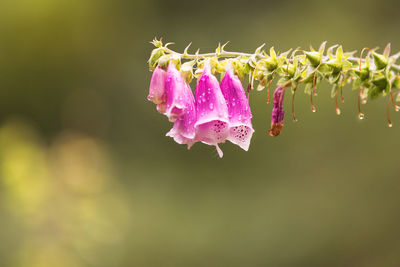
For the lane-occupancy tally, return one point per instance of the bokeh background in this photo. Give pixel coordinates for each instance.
(88, 178)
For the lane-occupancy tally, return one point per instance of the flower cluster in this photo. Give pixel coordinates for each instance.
(220, 110)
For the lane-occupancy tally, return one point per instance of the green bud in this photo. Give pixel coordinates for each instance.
(335, 65)
(270, 63)
(396, 82)
(334, 77)
(177, 61)
(163, 61)
(380, 61)
(374, 92)
(157, 43)
(238, 69)
(314, 58)
(154, 57)
(187, 70)
(380, 82)
(290, 70)
(363, 74)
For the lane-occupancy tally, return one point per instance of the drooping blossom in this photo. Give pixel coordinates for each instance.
(157, 89)
(240, 129)
(175, 87)
(183, 130)
(212, 125)
(278, 113)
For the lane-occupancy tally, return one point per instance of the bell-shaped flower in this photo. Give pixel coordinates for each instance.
(240, 129)
(183, 130)
(278, 113)
(175, 87)
(212, 125)
(157, 89)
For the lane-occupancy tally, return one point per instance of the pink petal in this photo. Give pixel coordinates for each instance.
(241, 129)
(157, 86)
(183, 130)
(212, 125)
(175, 87)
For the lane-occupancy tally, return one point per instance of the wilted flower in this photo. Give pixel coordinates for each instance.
(157, 89)
(212, 125)
(240, 127)
(175, 87)
(277, 112)
(183, 130)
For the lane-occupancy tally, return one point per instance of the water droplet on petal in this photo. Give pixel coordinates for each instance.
(211, 106)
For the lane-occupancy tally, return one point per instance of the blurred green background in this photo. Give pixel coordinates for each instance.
(88, 178)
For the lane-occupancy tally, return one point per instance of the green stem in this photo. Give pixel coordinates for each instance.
(247, 55)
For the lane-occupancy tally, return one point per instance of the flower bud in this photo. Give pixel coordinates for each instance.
(278, 113)
(154, 57)
(187, 71)
(396, 82)
(314, 58)
(380, 61)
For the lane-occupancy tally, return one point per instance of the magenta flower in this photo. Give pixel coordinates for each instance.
(175, 88)
(241, 129)
(277, 112)
(212, 125)
(183, 130)
(157, 89)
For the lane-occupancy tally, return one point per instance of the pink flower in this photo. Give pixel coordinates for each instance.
(241, 129)
(183, 130)
(278, 113)
(157, 89)
(175, 88)
(212, 125)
